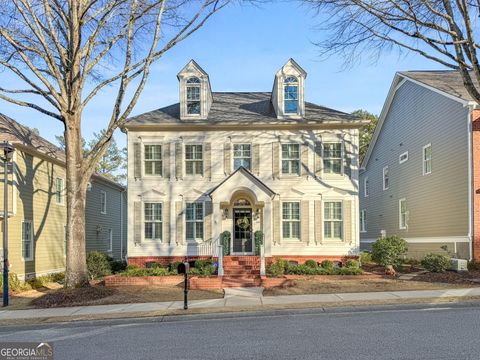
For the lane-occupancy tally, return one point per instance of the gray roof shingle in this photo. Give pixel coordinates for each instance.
(230, 108)
(448, 81)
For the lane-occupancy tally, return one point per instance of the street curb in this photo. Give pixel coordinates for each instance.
(176, 315)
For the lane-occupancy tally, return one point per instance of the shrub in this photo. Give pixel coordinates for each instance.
(203, 267)
(117, 265)
(389, 251)
(173, 267)
(277, 268)
(348, 271)
(311, 263)
(133, 270)
(365, 257)
(327, 264)
(352, 264)
(436, 262)
(226, 236)
(98, 265)
(258, 237)
(14, 283)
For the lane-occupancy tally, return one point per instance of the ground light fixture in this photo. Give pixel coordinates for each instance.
(6, 153)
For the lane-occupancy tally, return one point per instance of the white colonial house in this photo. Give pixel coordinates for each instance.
(242, 162)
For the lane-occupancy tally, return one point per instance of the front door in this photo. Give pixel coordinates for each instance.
(242, 231)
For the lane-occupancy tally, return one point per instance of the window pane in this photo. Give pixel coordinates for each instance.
(148, 230)
(193, 93)
(190, 230)
(296, 230)
(199, 230)
(193, 107)
(286, 229)
(148, 167)
(189, 212)
(328, 229)
(189, 167)
(199, 211)
(337, 229)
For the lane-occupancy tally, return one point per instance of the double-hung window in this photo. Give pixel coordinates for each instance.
(332, 158)
(194, 159)
(103, 202)
(291, 220)
(194, 221)
(153, 221)
(333, 220)
(242, 156)
(193, 96)
(386, 178)
(27, 240)
(290, 103)
(427, 159)
(59, 191)
(291, 159)
(403, 214)
(365, 187)
(363, 220)
(153, 159)
(110, 240)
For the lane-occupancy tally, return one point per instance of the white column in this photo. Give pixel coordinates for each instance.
(216, 231)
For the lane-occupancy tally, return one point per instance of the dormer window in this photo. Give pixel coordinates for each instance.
(290, 103)
(193, 96)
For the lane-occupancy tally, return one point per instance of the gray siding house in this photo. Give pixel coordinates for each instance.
(416, 179)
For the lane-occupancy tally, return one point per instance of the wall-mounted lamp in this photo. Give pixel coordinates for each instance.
(225, 213)
(99, 229)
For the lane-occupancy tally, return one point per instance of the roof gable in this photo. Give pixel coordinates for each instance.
(192, 67)
(234, 181)
(432, 81)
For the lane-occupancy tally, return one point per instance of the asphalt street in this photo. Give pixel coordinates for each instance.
(381, 333)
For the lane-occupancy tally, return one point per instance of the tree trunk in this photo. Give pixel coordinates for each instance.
(76, 274)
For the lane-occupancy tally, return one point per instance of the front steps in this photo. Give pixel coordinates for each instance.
(241, 271)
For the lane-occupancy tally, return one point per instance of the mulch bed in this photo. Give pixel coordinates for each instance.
(72, 297)
(377, 269)
(452, 277)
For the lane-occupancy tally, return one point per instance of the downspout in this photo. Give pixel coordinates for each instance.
(121, 223)
(471, 106)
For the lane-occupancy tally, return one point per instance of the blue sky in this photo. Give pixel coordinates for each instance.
(241, 49)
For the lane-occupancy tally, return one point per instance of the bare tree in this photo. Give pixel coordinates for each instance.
(67, 52)
(443, 31)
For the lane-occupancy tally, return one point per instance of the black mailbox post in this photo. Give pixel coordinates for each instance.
(185, 269)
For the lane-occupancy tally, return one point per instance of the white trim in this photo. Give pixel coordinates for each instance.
(196, 240)
(162, 156)
(184, 160)
(400, 225)
(424, 161)
(385, 185)
(405, 157)
(291, 239)
(333, 240)
(110, 239)
(102, 210)
(62, 197)
(232, 154)
(366, 189)
(470, 181)
(32, 243)
(420, 240)
(363, 221)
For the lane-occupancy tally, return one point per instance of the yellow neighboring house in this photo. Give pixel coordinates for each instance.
(37, 211)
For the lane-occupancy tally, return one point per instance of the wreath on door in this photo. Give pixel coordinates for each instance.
(243, 223)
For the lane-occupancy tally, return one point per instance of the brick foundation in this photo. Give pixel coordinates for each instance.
(117, 280)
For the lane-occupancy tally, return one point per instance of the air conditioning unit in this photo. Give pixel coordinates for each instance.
(458, 265)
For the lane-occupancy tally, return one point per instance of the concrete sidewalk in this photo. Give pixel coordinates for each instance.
(241, 298)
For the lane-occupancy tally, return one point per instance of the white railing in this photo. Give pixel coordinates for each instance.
(213, 248)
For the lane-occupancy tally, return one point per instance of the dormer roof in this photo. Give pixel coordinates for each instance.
(291, 64)
(190, 67)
